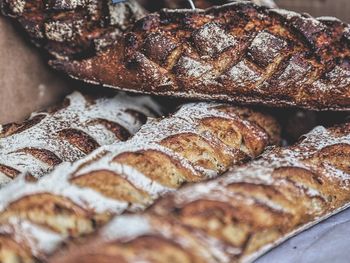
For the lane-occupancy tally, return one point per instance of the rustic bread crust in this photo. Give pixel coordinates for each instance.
(199, 142)
(239, 216)
(73, 29)
(69, 132)
(238, 52)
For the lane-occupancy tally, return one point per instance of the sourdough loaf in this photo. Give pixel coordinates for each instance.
(237, 52)
(73, 29)
(239, 216)
(199, 142)
(69, 132)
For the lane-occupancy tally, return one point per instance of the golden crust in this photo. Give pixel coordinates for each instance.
(129, 176)
(14, 252)
(55, 212)
(158, 166)
(114, 186)
(236, 217)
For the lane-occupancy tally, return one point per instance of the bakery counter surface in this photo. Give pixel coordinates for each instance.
(325, 242)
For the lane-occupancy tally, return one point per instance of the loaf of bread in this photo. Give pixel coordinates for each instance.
(238, 216)
(237, 52)
(201, 141)
(69, 132)
(73, 29)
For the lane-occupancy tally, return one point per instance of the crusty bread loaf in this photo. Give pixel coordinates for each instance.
(73, 29)
(69, 132)
(237, 52)
(239, 216)
(199, 142)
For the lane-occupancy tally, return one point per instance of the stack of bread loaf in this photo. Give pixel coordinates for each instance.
(132, 178)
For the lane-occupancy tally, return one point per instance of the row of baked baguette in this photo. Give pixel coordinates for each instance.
(73, 29)
(70, 131)
(238, 216)
(259, 56)
(80, 29)
(237, 52)
(199, 142)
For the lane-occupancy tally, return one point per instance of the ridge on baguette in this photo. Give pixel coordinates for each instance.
(237, 217)
(199, 142)
(70, 131)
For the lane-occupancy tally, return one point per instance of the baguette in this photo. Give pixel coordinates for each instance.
(199, 142)
(238, 52)
(69, 132)
(239, 216)
(73, 29)
(80, 29)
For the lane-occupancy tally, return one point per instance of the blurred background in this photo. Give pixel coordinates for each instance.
(337, 8)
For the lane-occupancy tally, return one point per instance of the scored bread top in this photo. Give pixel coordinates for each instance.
(238, 216)
(69, 132)
(73, 29)
(236, 52)
(80, 29)
(200, 141)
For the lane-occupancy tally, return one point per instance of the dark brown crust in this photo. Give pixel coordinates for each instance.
(238, 52)
(8, 171)
(72, 29)
(138, 115)
(79, 139)
(43, 155)
(119, 131)
(15, 128)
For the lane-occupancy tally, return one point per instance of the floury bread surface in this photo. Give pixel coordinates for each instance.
(199, 142)
(69, 132)
(73, 29)
(238, 216)
(80, 29)
(237, 52)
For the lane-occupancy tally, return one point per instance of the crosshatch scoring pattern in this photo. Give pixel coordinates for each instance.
(237, 52)
(77, 28)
